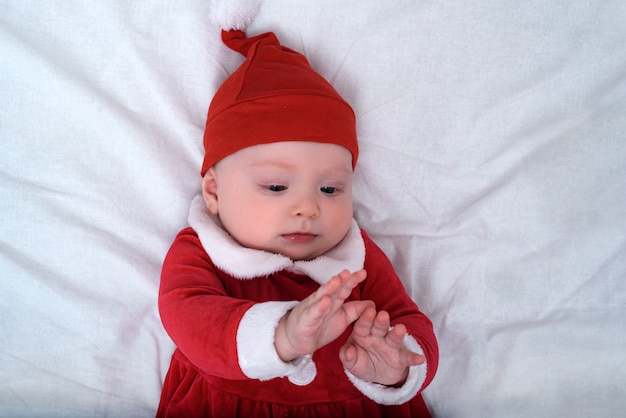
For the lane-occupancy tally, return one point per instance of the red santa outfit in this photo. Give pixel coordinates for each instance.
(221, 302)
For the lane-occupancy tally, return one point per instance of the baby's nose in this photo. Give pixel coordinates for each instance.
(306, 207)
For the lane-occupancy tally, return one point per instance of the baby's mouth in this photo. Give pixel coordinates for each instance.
(299, 237)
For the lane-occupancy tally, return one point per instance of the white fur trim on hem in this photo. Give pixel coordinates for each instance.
(256, 351)
(386, 395)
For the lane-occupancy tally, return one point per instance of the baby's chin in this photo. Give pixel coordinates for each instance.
(304, 254)
(294, 249)
(301, 256)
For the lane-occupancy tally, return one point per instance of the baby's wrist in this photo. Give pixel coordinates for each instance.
(283, 347)
(402, 381)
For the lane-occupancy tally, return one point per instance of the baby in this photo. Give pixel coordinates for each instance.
(278, 303)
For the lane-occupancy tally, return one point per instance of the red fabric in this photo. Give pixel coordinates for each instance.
(274, 96)
(201, 308)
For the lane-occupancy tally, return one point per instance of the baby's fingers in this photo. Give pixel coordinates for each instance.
(373, 324)
(340, 286)
(354, 309)
(380, 327)
(395, 336)
(408, 358)
(348, 356)
(349, 281)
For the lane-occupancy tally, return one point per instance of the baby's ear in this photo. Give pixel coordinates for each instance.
(209, 190)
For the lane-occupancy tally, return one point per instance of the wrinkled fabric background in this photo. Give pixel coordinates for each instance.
(492, 171)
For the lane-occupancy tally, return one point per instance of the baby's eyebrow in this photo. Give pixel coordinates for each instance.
(274, 163)
(287, 166)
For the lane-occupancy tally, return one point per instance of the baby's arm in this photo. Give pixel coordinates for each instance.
(376, 353)
(320, 318)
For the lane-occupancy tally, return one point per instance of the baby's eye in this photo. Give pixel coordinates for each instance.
(328, 190)
(276, 187)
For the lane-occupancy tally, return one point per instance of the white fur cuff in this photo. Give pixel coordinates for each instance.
(255, 346)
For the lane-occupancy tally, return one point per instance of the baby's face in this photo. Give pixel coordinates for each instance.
(289, 198)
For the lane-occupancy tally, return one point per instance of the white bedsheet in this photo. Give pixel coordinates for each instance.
(492, 171)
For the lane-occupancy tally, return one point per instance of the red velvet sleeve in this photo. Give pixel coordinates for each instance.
(385, 288)
(196, 311)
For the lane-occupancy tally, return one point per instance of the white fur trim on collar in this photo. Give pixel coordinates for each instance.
(246, 263)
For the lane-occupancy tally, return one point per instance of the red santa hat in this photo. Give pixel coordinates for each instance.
(273, 96)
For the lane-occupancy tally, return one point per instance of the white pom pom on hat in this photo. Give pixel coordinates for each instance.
(234, 14)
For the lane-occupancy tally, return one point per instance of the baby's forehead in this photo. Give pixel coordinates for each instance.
(292, 155)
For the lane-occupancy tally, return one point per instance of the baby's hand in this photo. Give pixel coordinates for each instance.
(376, 354)
(321, 317)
